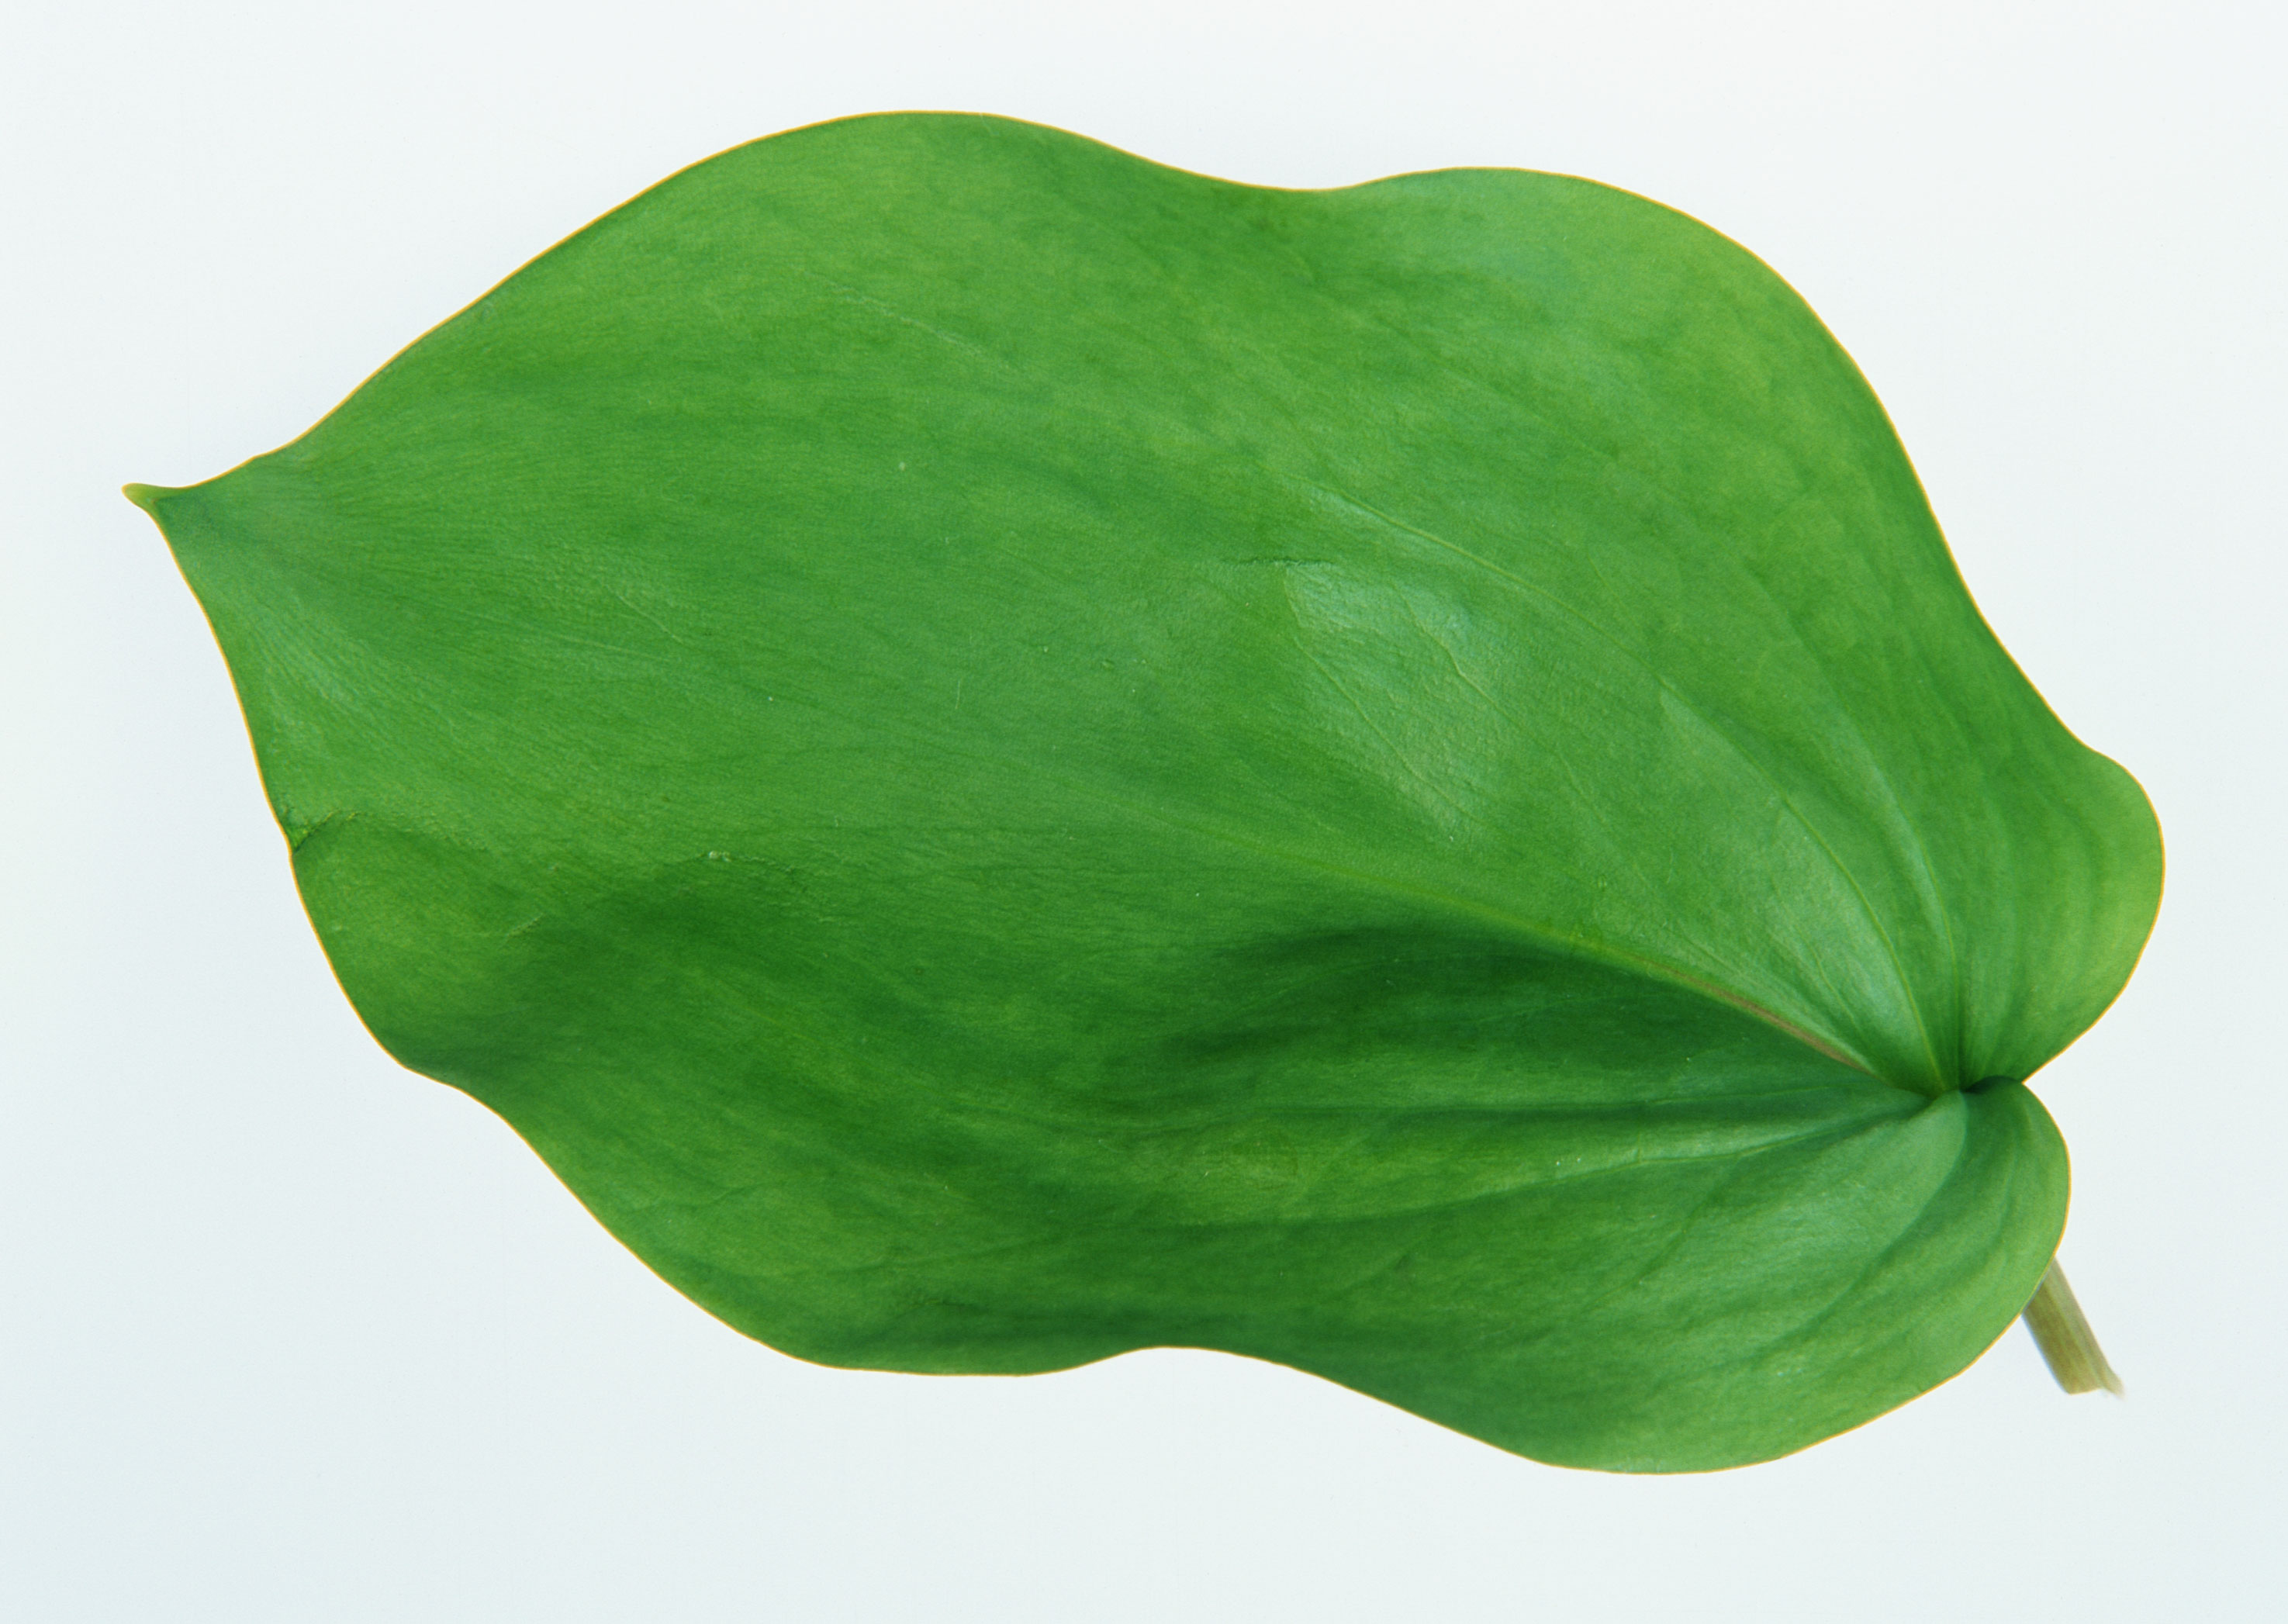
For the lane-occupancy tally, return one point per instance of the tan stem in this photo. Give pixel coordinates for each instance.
(2065, 1338)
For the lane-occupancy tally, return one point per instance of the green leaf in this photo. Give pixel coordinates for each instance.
(1001, 754)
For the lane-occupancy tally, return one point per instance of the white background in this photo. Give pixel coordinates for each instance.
(290, 1334)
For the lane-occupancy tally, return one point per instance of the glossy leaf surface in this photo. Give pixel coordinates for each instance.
(1001, 754)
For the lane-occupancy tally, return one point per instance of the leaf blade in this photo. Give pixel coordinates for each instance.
(1002, 587)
